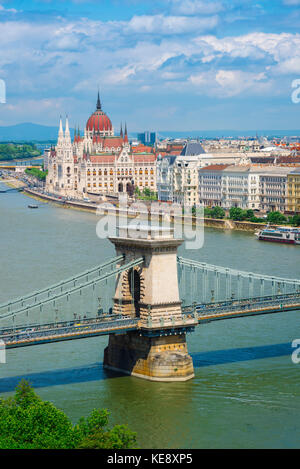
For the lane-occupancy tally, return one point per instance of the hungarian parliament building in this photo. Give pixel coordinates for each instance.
(99, 162)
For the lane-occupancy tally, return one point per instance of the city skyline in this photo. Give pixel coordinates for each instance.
(165, 65)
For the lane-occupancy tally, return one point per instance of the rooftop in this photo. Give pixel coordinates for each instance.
(192, 149)
(214, 167)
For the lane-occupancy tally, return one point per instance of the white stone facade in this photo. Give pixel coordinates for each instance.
(247, 187)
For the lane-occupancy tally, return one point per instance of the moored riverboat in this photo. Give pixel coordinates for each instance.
(286, 235)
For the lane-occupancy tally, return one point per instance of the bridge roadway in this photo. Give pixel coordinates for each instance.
(35, 334)
(249, 307)
(39, 334)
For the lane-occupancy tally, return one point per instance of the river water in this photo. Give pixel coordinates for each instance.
(246, 392)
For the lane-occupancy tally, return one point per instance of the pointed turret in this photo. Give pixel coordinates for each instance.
(60, 132)
(67, 132)
(98, 102)
(126, 136)
(121, 131)
(60, 141)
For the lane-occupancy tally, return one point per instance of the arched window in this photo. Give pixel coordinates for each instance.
(135, 289)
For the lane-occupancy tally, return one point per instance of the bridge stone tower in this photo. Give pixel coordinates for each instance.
(149, 291)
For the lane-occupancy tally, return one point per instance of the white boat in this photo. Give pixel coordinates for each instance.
(282, 234)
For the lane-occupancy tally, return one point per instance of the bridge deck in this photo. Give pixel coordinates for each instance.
(248, 312)
(40, 334)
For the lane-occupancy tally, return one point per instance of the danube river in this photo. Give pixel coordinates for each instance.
(246, 392)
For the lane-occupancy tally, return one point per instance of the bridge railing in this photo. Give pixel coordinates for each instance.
(65, 330)
(79, 301)
(205, 283)
(282, 302)
(31, 299)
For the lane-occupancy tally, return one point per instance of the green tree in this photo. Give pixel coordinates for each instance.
(10, 151)
(236, 213)
(37, 173)
(217, 212)
(207, 212)
(28, 422)
(239, 214)
(257, 220)
(295, 220)
(147, 192)
(95, 434)
(276, 217)
(120, 437)
(249, 214)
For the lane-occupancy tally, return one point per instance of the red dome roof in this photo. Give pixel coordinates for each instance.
(99, 122)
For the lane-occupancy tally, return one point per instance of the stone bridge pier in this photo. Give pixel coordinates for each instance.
(158, 350)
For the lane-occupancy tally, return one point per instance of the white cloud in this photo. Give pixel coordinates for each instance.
(234, 82)
(194, 7)
(7, 10)
(287, 67)
(277, 48)
(61, 57)
(162, 25)
(229, 83)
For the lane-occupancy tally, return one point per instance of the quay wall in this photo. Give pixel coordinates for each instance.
(208, 222)
(233, 225)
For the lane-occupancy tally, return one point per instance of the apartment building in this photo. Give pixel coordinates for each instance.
(293, 191)
(247, 187)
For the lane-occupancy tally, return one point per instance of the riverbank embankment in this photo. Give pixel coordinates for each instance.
(223, 224)
(12, 182)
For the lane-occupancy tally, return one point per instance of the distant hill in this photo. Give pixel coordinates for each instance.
(28, 132)
(42, 133)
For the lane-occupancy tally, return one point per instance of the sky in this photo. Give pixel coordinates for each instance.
(159, 65)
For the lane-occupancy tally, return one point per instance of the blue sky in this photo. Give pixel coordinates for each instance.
(160, 65)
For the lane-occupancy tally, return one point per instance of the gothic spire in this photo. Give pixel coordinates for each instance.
(61, 132)
(98, 102)
(125, 136)
(121, 131)
(67, 131)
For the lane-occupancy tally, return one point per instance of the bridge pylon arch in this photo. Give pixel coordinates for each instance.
(157, 351)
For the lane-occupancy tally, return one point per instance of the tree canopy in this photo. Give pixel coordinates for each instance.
(37, 173)
(28, 422)
(276, 218)
(11, 151)
(215, 212)
(147, 194)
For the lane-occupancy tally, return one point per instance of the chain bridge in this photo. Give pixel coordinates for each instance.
(147, 294)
